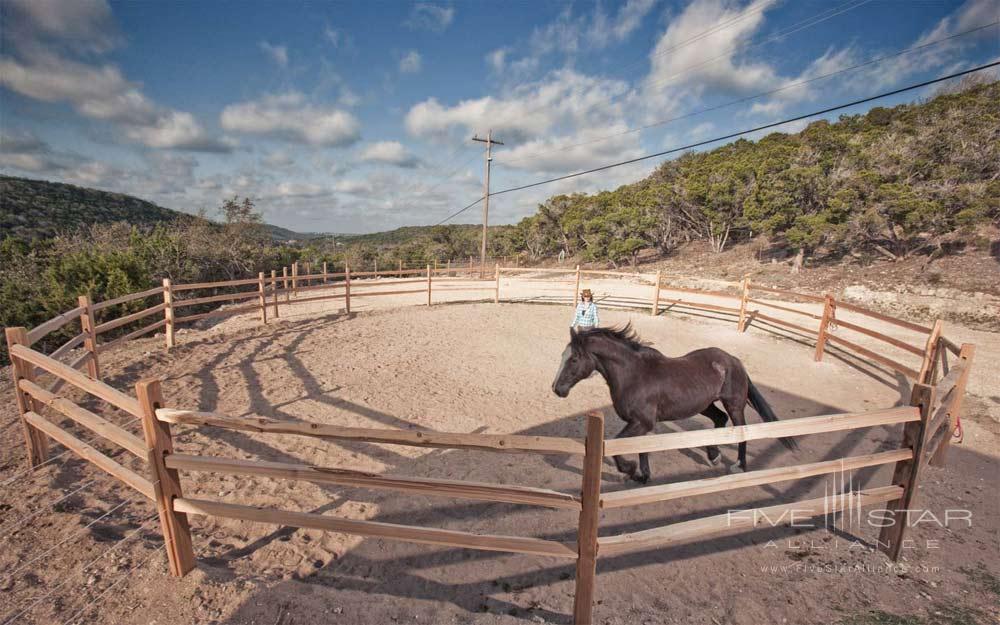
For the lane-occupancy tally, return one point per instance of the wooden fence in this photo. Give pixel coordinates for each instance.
(156, 471)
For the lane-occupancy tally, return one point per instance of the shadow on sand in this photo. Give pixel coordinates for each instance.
(510, 584)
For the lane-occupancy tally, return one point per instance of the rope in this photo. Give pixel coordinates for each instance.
(118, 544)
(114, 585)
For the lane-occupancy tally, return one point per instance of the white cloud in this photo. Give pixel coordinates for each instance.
(410, 63)
(353, 187)
(103, 93)
(277, 53)
(892, 71)
(569, 35)
(694, 56)
(44, 35)
(432, 17)
(571, 152)
(497, 59)
(179, 130)
(81, 25)
(333, 35)
(295, 189)
(278, 159)
(564, 98)
(23, 151)
(701, 131)
(289, 117)
(971, 14)
(348, 98)
(604, 30)
(390, 153)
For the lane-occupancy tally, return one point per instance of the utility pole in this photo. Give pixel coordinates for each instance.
(489, 141)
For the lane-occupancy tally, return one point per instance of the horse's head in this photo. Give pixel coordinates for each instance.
(577, 364)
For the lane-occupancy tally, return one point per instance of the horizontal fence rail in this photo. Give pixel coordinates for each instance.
(745, 519)
(512, 443)
(756, 431)
(97, 389)
(691, 488)
(93, 422)
(929, 423)
(90, 454)
(345, 477)
(408, 533)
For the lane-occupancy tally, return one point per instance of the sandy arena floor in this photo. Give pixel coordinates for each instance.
(481, 368)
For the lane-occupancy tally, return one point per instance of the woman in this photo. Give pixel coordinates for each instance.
(586, 312)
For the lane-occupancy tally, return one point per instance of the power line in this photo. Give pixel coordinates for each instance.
(818, 18)
(459, 212)
(806, 23)
(751, 130)
(800, 83)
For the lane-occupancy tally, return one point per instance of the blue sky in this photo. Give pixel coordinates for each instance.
(355, 117)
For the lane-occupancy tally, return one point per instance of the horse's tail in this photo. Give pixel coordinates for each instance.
(755, 399)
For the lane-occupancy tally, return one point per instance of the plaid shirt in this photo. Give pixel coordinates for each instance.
(586, 315)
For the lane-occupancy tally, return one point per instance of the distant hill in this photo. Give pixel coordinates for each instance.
(38, 209)
(284, 234)
(399, 235)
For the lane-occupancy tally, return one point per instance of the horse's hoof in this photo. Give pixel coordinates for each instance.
(642, 479)
(735, 468)
(716, 460)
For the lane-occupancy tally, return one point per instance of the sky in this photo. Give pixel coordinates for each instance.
(351, 117)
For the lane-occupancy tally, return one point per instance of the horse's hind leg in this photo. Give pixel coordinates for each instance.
(628, 467)
(735, 410)
(719, 418)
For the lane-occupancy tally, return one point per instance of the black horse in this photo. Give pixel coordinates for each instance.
(647, 387)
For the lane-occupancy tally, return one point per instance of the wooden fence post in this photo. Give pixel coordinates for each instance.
(907, 472)
(400, 261)
(308, 282)
(295, 278)
(88, 325)
(965, 357)
(586, 538)
(284, 276)
(262, 297)
(741, 326)
(656, 294)
(496, 294)
(928, 367)
(829, 310)
(428, 285)
(347, 287)
(274, 292)
(35, 441)
(325, 277)
(168, 312)
(576, 292)
(166, 482)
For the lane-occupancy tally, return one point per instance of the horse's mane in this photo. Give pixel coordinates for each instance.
(624, 334)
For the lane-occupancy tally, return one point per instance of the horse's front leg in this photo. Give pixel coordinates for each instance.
(628, 467)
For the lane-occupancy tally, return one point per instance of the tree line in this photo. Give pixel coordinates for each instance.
(891, 182)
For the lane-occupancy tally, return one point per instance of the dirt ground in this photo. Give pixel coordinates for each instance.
(487, 368)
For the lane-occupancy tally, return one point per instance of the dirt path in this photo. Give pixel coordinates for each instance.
(486, 368)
